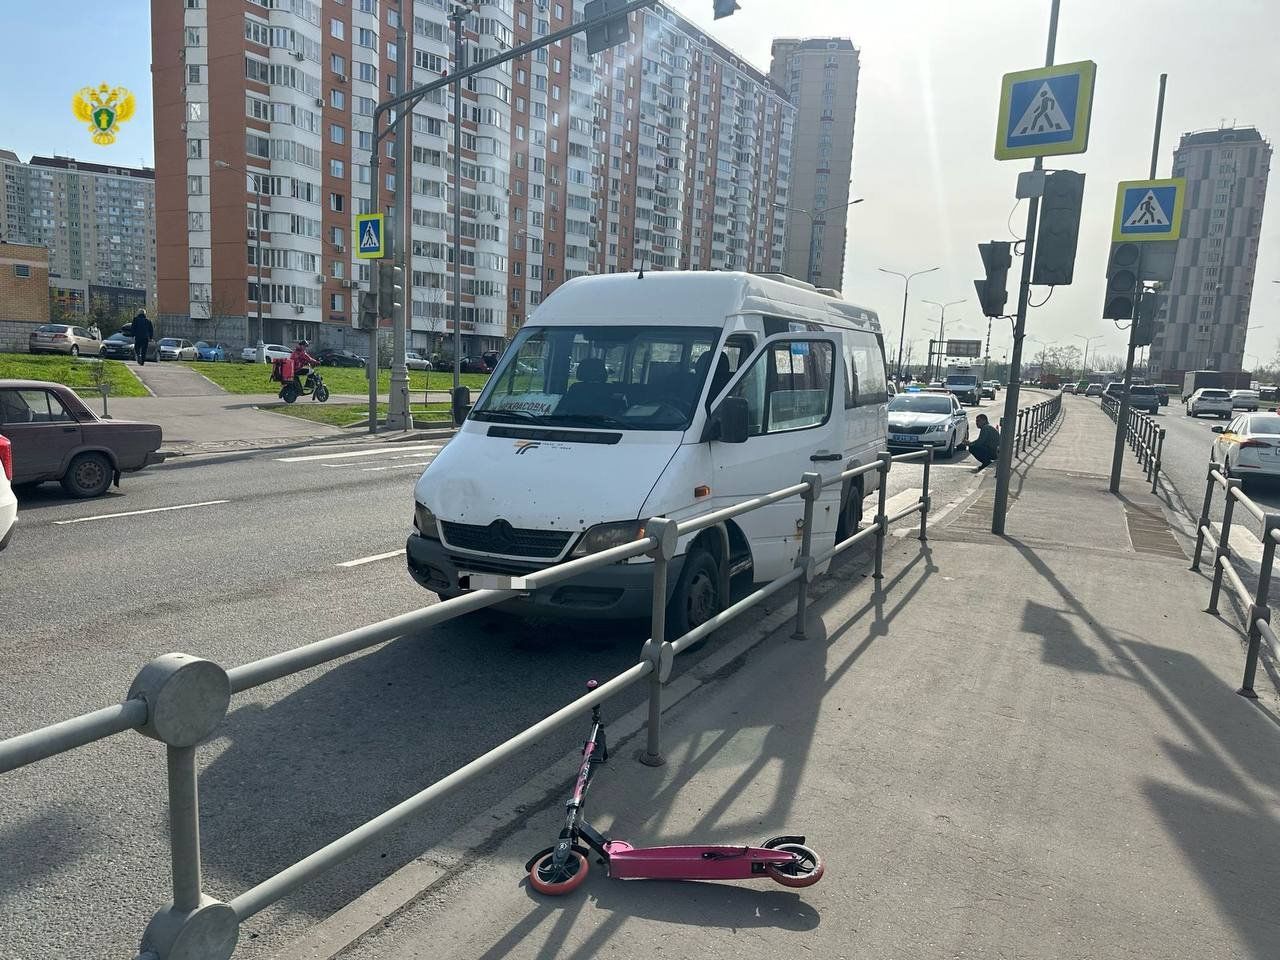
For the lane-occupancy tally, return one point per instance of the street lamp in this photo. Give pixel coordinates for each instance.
(257, 244)
(942, 325)
(811, 273)
(1084, 362)
(906, 285)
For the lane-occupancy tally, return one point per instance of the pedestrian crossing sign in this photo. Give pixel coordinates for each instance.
(1149, 210)
(1045, 112)
(370, 236)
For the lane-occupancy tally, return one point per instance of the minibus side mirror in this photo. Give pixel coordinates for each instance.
(729, 423)
(461, 400)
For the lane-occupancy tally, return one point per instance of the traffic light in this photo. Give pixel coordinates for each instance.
(725, 8)
(367, 318)
(1145, 318)
(1059, 227)
(1122, 281)
(992, 292)
(390, 290)
(605, 30)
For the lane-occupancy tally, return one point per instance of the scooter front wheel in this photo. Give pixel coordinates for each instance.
(556, 882)
(806, 870)
(321, 394)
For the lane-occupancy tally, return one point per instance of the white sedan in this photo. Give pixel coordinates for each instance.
(275, 351)
(8, 502)
(1249, 446)
(1244, 400)
(413, 360)
(928, 420)
(171, 348)
(1210, 400)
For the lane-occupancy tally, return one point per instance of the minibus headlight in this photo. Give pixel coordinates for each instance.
(424, 521)
(605, 535)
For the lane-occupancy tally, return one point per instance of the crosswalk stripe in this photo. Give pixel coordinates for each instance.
(352, 454)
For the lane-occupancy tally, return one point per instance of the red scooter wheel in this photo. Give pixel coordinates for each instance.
(556, 883)
(804, 871)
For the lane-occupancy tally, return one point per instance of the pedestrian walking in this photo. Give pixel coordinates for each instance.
(143, 331)
(987, 447)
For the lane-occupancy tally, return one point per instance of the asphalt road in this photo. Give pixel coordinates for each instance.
(243, 557)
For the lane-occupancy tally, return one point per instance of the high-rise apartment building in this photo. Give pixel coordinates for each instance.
(667, 151)
(820, 76)
(1205, 316)
(96, 220)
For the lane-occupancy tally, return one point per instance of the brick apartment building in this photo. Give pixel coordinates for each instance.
(24, 293)
(668, 151)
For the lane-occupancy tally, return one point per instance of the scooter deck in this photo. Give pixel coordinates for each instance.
(695, 862)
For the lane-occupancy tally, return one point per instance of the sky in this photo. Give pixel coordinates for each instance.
(923, 142)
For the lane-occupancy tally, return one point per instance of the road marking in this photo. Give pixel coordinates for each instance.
(902, 500)
(138, 513)
(397, 448)
(414, 459)
(1244, 544)
(377, 556)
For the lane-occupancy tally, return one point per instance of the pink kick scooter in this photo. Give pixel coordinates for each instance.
(560, 869)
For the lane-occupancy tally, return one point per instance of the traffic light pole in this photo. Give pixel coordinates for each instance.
(398, 400)
(1122, 415)
(1004, 465)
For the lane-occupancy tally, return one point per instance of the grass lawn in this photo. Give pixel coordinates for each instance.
(345, 414)
(74, 373)
(254, 378)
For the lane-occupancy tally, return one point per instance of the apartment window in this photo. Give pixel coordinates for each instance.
(366, 38)
(338, 64)
(366, 72)
(336, 202)
(337, 133)
(336, 29)
(22, 270)
(195, 220)
(193, 36)
(337, 99)
(337, 168)
(193, 73)
(337, 269)
(337, 236)
(196, 255)
(337, 302)
(195, 149)
(195, 186)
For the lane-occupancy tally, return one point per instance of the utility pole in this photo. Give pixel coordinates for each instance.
(1084, 362)
(1122, 415)
(1005, 463)
(902, 331)
(942, 329)
(398, 401)
(457, 17)
(986, 357)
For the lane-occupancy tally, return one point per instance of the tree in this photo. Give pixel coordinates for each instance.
(225, 316)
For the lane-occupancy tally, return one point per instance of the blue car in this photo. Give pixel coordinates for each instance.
(210, 351)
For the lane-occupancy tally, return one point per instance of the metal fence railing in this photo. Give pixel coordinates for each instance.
(1257, 606)
(1145, 437)
(180, 700)
(1034, 420)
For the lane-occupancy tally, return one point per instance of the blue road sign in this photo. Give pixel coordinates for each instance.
(1045, 112)
(369, 236)
(1149, 210)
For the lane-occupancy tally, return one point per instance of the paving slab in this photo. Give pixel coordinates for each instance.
(1018, 747)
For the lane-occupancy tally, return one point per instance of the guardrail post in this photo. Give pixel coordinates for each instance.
(656, 649)
(1223, 554)
(1017, 447)
(805, 559)
(1155, 466)
(924, 496)
(186, 699)
(1261, 609)
(882, 518)
(1203, 523)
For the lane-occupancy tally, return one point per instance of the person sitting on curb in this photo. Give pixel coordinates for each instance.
(987, 447)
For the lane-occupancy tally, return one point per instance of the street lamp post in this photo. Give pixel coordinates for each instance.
(257, 244)
(906, 286)
(810, 271)
(1084, 362)
(942, 327)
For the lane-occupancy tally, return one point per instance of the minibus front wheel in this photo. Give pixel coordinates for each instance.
(697, 596)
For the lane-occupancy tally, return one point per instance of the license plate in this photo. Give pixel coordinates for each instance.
(489, 581)
(901, 438)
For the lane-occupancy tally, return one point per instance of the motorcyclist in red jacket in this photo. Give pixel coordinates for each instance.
(302, 362)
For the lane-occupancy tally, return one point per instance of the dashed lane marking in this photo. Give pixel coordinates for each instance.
(354, 454)
(138, 513)
(377, 556)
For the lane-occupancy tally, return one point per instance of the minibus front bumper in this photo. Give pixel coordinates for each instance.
(617, 592)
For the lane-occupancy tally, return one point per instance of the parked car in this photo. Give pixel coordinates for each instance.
(989, 389)
(474, 365)
(1244, 400)
(416, 361)
(927, 420)
(63, 338)
(490, 359)
(210, 351)
(333, 357)
(1269, 393)
(1249, 446)
(56, 437)
(1093, 390)
(275, 351)
(1143, 396)
(8, 502)
(1210, 400)
(1068, 388)
(1162, 392)
(1115, 389)
(119, 346)
(172, 348)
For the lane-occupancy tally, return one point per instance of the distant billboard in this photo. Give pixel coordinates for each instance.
(964, 348)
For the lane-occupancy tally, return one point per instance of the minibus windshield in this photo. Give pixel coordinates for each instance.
(623, 377)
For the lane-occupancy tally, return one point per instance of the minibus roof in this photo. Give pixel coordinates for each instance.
(705, 297)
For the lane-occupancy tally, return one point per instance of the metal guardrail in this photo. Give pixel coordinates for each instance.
(1145, 437)
(180, 700)
(1034, 420)
(1258, 615)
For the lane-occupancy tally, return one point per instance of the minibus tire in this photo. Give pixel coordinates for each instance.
(850, 513)
(700, 574)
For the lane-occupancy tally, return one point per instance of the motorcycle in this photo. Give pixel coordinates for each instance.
(313, 385)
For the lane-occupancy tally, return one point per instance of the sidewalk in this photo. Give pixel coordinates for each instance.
(1024, 747)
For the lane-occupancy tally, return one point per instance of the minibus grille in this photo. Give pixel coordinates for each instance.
(501, 538)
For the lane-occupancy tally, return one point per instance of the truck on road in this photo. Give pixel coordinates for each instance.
(962, 380)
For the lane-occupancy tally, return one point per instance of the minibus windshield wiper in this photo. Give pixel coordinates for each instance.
(523, 415)
(587, 420)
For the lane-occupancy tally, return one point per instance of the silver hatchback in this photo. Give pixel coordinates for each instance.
(64, 338)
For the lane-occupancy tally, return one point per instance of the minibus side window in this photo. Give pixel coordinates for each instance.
(788, 387)
(868, 364)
